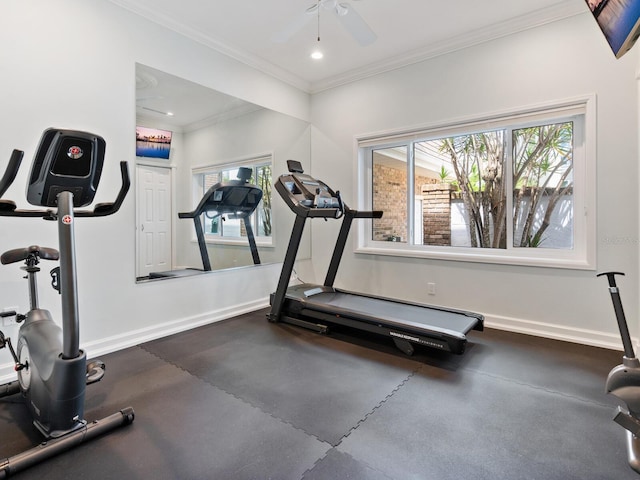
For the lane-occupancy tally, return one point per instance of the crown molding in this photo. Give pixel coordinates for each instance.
(525, 22)
(476, 37)
(243, 57)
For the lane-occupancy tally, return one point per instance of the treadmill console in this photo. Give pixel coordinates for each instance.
(234, 198)
(305, 194)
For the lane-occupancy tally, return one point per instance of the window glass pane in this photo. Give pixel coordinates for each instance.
(210, 179)
(229, 175)
(389, 167)
(434, 188)
(211, 225)
(264, 209)
(543, 186)
(231, 227)
(466, 204)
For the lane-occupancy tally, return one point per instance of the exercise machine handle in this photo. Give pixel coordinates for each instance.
(611, 276)
(104, 209)
(367, 214)
(11, 171)
(619, 311)
(100, 210)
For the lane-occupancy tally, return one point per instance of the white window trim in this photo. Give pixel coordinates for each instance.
(581, 257)
(197, 186)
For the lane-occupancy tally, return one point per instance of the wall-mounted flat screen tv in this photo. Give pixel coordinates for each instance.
(153, 143)
(619, 20)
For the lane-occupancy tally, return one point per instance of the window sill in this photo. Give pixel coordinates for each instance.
(506, 257)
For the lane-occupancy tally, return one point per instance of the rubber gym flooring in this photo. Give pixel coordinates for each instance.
(247, 399)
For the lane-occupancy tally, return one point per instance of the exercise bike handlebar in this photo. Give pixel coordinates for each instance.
(11, 171)
(611, 276)
(7, 207)
(104, 209)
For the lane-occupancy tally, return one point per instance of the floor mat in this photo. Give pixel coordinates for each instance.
(317, 384)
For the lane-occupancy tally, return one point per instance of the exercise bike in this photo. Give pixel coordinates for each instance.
(51, 368)
(623, 381)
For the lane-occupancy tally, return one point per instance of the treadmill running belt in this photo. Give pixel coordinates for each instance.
(394, 314)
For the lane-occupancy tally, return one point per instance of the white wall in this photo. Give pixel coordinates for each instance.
(557, 61)
(71, 64)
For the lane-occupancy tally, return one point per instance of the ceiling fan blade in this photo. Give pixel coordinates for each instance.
(356, 26)
(294, 27)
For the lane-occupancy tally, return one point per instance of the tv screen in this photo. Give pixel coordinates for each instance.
(619, 20)
(153, 143)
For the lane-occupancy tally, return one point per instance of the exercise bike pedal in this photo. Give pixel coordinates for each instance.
(95, 371)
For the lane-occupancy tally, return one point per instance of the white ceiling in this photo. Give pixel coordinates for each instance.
(407, 31)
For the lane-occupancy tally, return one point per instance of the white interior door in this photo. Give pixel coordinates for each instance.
(153, 193)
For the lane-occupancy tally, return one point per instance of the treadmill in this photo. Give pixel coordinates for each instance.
(233, 199)
(318, 307)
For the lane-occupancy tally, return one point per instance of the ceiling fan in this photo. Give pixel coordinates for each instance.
(346, 14)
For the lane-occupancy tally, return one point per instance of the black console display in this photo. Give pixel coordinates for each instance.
(66, 160)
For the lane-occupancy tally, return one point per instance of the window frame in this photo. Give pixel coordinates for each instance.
(197, 191)
(583, 254)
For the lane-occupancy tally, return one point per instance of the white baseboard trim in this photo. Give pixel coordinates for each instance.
(137, 337)
(557, 332)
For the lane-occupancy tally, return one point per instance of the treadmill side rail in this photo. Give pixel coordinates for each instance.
(447, 343)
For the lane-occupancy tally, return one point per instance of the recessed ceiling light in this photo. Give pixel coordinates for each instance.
(317, 55)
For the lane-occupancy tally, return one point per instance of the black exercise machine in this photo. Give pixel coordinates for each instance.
(234, 199)
(316, 307)
(623, 381)
(52, 370)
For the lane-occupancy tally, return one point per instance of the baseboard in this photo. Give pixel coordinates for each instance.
(136, 337)
(557, 332)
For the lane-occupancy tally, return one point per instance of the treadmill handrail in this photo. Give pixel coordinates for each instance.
(365, 213)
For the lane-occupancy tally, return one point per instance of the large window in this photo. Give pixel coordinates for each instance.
(226, 227)
(515, 188)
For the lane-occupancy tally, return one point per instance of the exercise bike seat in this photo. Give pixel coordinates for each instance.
(20, 254)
